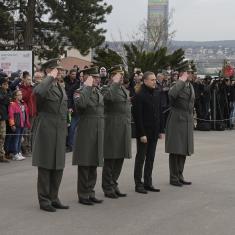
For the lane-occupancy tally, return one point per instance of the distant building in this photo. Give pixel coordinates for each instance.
(158, 10)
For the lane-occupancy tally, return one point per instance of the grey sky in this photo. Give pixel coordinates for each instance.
(196, 20)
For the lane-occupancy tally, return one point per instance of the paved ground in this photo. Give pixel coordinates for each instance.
(207, 207)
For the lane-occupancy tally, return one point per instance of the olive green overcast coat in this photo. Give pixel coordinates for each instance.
(179, 126)
(50, 126)
(117, 134)
(88, 145)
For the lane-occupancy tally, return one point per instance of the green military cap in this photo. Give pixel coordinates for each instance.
(189, 69)
(93, 71)
(185, 68)
(116, 69)
(52, 64)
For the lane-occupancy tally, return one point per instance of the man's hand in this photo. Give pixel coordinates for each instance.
(117, 78)
(143, 139)
(184, 77)
(53, 73)
(89, 81)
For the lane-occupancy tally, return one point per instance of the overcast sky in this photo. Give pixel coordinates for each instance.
(196, 20)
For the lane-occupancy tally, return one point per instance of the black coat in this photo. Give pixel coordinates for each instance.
(147, 113)
(70, 88)
(232, 93)
(4, 102)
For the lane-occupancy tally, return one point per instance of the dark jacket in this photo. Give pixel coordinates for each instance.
(147, 113)
(232, 93)
(70, 87)
(4, 102)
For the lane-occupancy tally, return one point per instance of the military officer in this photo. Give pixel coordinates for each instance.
(179, 127)
(49, 136)
(88, 145)
(117, 134)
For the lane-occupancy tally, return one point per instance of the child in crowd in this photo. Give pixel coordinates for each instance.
(18, 120)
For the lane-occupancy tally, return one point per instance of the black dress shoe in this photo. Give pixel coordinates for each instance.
(121, 194)
(151, 189)
(177, 183)
(141, 190)
(185, 182)
(86, 201)
(111, 195)
(95, 200)
(48, 208)
(58, 205)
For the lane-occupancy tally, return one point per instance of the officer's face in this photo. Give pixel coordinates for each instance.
(190, 76)
(96, 81)
(60, 74)
(150, 81)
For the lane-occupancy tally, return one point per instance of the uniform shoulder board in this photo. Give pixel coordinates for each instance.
(77, 93)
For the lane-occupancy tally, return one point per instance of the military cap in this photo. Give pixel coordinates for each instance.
(3, 80)
(185, 68)
(116, 69)
(52, 64)
(92, 71)
(189, 69)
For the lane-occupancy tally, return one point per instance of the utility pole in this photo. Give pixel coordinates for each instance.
(28, 34)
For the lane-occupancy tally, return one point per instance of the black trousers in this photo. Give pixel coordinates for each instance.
(48, 185)
(144, 157)
(87, 176)
(111, 171)
(176, 166)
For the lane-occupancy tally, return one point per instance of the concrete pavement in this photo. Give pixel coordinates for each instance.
(207, 207)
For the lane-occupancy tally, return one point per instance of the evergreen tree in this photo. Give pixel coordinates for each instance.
(47, 26)
(155, 60)
(106, 57)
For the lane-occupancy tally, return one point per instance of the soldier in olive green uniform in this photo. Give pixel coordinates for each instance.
(88, 145)
(117, 135)
(49, 136)
(179, 127)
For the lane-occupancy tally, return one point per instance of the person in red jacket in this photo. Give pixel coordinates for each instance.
(26, 88)
(18, 120)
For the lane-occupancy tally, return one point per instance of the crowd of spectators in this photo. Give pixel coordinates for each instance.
(214, 105)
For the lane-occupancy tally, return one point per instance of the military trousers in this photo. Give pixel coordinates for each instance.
(111, 171)
(87, 176)
(176, 166)
(48, 185)
(144, 158)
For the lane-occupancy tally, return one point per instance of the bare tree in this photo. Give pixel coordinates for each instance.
(154, 33)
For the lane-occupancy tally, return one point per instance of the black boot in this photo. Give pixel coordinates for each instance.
(86, 201)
